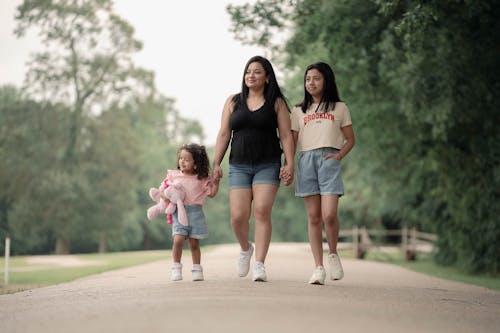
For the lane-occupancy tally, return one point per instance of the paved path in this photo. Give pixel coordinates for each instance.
(373, 297)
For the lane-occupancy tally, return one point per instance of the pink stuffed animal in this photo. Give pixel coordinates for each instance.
(175, 200)
(175, 193)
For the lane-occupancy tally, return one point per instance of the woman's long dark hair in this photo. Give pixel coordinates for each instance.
(272, 90)
(330, 90)
(200, 158)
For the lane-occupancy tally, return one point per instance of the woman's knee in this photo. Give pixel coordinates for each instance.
(262, 213)
(239, 218)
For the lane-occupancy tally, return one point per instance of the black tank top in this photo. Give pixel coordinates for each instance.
(255, 138)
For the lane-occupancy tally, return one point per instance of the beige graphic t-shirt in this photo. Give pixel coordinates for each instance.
(321, 129)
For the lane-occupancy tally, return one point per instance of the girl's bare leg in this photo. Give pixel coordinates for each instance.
(177, 248)
(329, 205)
(194, 247)
(315, 227)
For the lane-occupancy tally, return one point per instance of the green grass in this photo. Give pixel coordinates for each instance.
(424, 264)
(25, 275)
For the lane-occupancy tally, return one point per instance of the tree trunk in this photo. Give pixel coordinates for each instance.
(62, 246)
(103, 245)
(4, 221)
(147, 243)
(70, 154)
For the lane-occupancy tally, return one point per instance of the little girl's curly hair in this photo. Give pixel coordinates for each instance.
(200, 158)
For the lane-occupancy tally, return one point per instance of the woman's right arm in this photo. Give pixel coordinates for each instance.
(223, 138)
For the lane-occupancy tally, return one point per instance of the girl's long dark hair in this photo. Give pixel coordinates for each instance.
(272, 90)
(330, 90)
(200, 158)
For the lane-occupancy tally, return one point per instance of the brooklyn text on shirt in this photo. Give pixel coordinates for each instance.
(315, 116)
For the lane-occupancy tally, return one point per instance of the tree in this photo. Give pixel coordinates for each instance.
(458, 82)
(86, 64)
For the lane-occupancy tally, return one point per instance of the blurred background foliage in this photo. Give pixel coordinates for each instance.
(88, 134)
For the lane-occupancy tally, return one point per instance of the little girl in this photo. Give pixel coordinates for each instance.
(192, 175)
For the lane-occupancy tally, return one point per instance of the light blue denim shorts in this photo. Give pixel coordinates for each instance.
(246, 175)
(318, 176)
(197, 227)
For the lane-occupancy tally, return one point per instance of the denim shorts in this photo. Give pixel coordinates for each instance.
(197, 226)
(246, 175)
(318, 176)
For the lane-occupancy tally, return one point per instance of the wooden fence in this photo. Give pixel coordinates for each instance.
(409, 241)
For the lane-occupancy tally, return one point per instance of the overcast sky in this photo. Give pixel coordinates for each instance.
(186, 43)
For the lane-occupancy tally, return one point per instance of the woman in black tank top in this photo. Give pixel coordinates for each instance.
(256, 122)
(254, 135)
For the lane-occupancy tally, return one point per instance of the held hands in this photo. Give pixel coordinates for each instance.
(217, 173)
(286, 174)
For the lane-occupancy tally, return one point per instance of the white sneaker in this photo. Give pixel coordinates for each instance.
(336, 271)
(259, 272)
(244, 261)
(176, 272)
(318, 276)
(197, 272)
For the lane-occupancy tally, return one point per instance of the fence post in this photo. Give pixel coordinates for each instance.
(355, 241)
(412, 250)
(365, 243)
(7, 255)
(404, 240)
